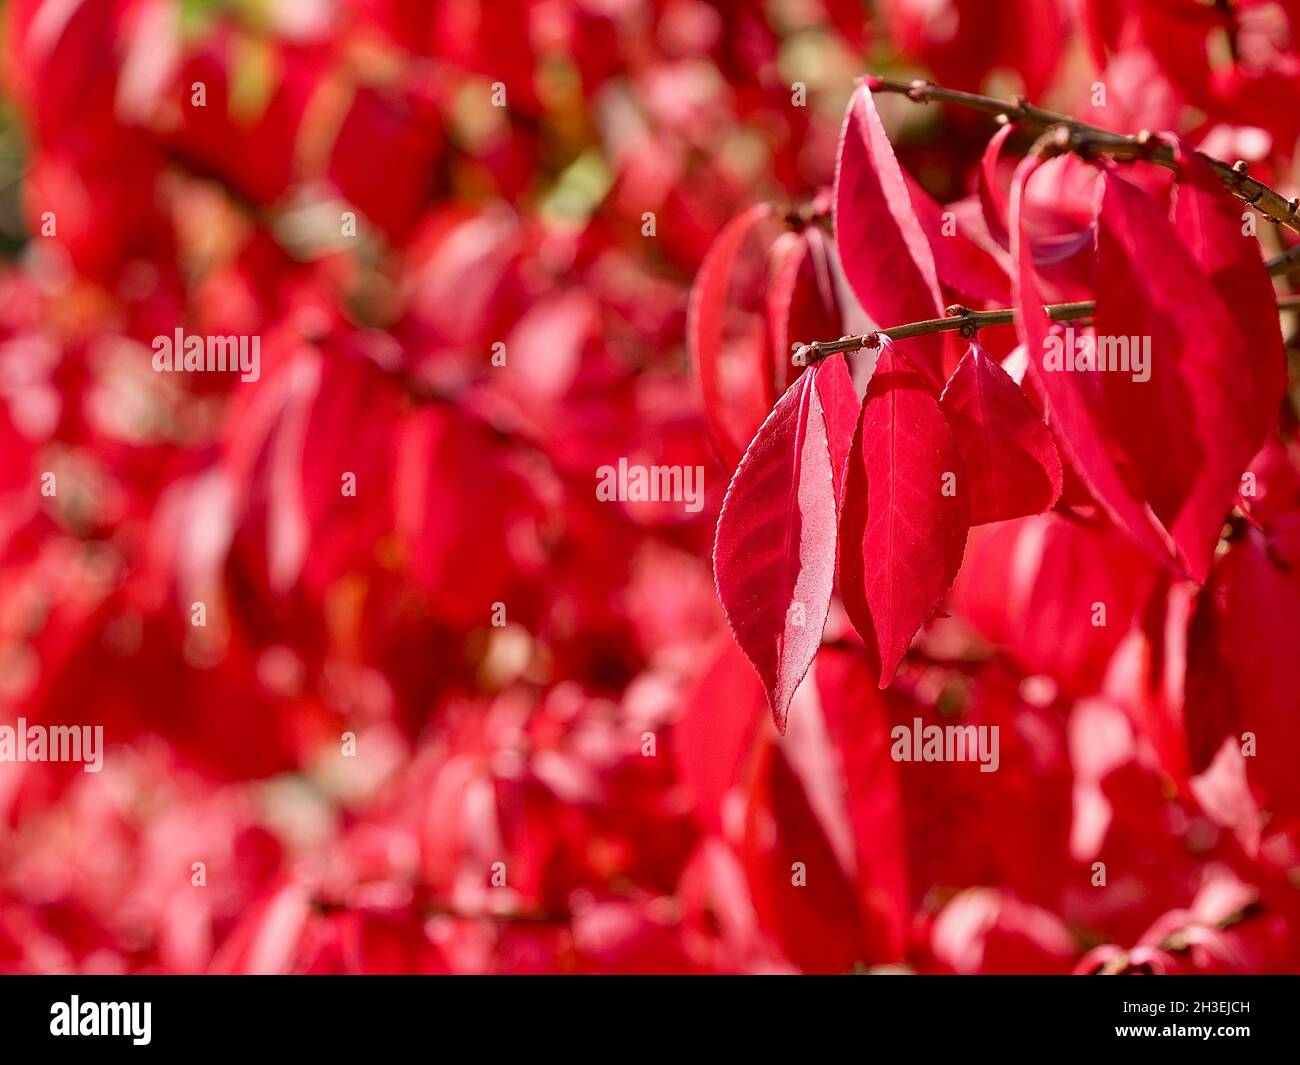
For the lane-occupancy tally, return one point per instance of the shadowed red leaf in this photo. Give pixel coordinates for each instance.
(901, 536)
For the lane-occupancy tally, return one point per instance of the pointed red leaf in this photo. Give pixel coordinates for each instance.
(882, 246)
(901, 534)
(1243, 675)
(962, 264)
(858, 724)
(715, 733)
(801, 301)
(1011, 462)
(817, 928)
(840, 405)
(774, 555)
(1187, 436)
(1210, 225)
(992, 199)
(1070, 416)
(735, 372)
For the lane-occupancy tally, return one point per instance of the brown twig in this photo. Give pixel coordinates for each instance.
(1087, 139)
(961, 320)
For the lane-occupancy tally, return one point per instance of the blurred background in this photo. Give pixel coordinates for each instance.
(384, 686)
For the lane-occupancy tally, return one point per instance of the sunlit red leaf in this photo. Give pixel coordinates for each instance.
(774, 556)
(882, 246)
(839, 403)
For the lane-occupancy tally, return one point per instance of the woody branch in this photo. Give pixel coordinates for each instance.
(1063, 134)
(962, 320)
(1072, 135)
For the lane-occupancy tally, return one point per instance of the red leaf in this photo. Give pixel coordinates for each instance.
(840, 405)
(1011, 463)
(882, 246)
(1210, 225)
(858, 724)
(961, 263)
(1032, 586)
(735, 378)
(992, 199)
(829, 797)
(901, 537)
(817, 924)
(1070, 418)
(1186, 434)
(774, 556)
(715, 735)
(801, 301)
(1243, 674)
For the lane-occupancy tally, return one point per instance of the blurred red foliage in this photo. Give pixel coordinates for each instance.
(446, 709)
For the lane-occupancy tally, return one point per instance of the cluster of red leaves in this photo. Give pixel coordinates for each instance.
(855, 508)
(593, 785)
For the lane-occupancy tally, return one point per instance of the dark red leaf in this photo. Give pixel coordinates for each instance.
(1011, 463)
(801, 301)
(901, 534)
(1243, 674)
(734, 377)
(840, 405)
(1070, 417)
(961, 263)
(1187, 436)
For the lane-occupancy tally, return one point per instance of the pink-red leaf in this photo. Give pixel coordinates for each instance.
(1070, 416)
(1186, 434)
(961, 263)
(1243, 675)
(801, 301)
(882, 246)
(903, 528)
(735, 375)
(774, 555)
(715, 734)
(993, 200)
(840, 405)
(1011, 462)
